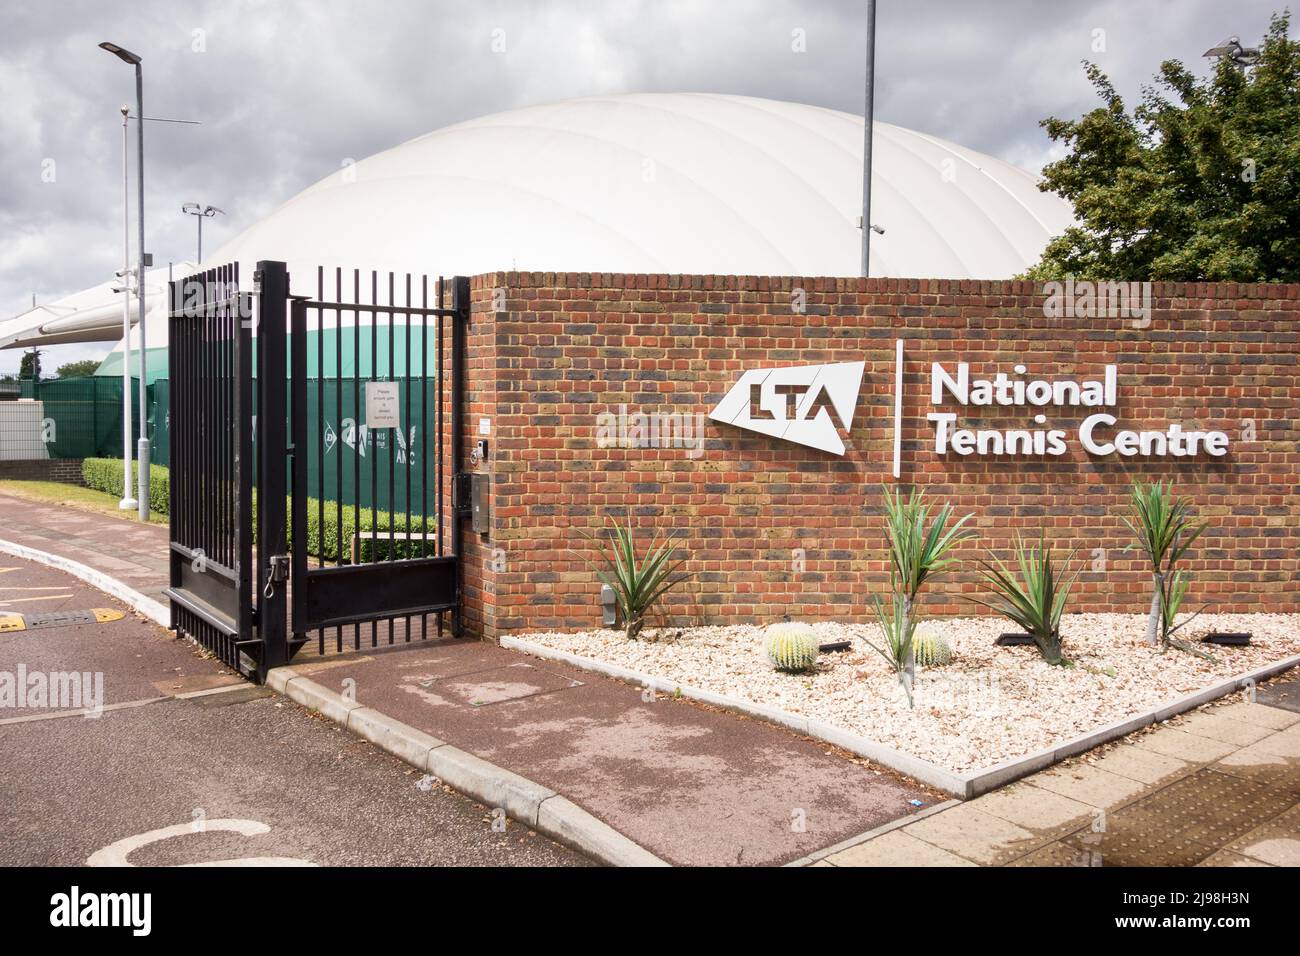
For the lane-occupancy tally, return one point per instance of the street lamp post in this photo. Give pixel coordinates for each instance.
(142, 449)
(200, 212)
(1231, 48)
(128, 503)
(866, 138)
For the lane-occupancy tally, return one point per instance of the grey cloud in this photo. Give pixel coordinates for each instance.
(286, 91)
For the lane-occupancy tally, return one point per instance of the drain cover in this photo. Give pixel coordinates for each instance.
(30, 622)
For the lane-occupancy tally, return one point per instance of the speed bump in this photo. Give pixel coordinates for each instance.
(30, 622)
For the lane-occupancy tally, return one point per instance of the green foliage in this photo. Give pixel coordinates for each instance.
(1198, 183)
(1163, 526)
(638, 582)
(930, 648)
(791, 646)
(29, 366)
(920, 546)
(105, 474)
(81, 369)
(1034, 599)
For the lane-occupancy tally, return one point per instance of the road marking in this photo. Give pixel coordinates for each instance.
(115, 854)
(52, 597)
(61, 714)
(13, 621)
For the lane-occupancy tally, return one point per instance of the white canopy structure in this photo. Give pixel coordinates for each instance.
(663, 183)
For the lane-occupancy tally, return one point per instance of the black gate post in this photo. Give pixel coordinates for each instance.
(272, 283)
(461, 507)
(299, 455)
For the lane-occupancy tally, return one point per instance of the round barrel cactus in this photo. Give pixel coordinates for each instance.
(791, 646)
(929, 647)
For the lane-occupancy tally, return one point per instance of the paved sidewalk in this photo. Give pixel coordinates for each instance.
(692, 784)
(1219, 786)
(123, 548)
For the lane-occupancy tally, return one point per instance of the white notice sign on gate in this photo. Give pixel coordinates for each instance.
(383, 410)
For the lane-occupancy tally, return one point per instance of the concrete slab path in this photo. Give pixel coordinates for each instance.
(1217, 787)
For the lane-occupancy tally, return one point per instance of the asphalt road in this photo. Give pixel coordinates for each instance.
(237, 773)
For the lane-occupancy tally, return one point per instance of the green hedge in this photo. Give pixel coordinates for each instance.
(105, 474)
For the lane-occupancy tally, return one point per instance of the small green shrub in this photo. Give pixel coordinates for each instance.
(930, 648)
(638, 582)
(105, 474)
(790, 645)
(1034, 597)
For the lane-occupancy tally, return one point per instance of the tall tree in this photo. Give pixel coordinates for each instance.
(1200, 182)
(30, 366)
(80, 369)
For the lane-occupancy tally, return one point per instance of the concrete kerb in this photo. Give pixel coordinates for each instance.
(155, 611)
(530, 803)
(963, 786)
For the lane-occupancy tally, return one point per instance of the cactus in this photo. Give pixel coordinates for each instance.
(791, 646)
(930, 648)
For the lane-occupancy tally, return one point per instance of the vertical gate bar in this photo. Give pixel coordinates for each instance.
(243, 419)
(374, 446)
(317, 447)
(357, 438)
(392, 437)
(301, 450)
(439, 541)
(271, 539)
(424, 417)
(173, 517)
(424, 434)
(338, 425)
(410, 435)
(460, 304)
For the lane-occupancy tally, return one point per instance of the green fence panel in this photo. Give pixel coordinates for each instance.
(83, 416)
(159, 400)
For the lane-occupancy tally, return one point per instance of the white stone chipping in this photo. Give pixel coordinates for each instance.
(989, 705)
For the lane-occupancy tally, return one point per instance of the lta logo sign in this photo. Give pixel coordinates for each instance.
(808, 404)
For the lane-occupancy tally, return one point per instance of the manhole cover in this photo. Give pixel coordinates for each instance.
(1280, 693)
(30, 622)
(500, 684)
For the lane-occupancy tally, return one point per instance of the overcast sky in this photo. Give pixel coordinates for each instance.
(287, 90)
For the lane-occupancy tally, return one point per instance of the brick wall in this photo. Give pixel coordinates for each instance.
(550, 352)
(63, 470)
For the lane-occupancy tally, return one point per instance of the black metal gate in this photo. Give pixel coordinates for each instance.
(210, 364)
(379, 382)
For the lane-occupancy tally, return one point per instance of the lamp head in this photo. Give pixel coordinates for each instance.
(126, 56)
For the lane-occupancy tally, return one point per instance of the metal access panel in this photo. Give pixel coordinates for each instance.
(480, 493)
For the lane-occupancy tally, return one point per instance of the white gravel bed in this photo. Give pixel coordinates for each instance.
(989, 705)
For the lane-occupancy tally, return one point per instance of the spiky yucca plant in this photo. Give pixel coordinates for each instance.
(790, 645)
(1163, 526)
(638, 582)
(1033, 599)
(919, 550)
(930, 648)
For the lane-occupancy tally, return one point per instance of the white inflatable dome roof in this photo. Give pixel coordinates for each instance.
(684, 182)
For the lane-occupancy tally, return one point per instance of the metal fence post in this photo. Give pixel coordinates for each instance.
(272, 285)
(460, 303)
